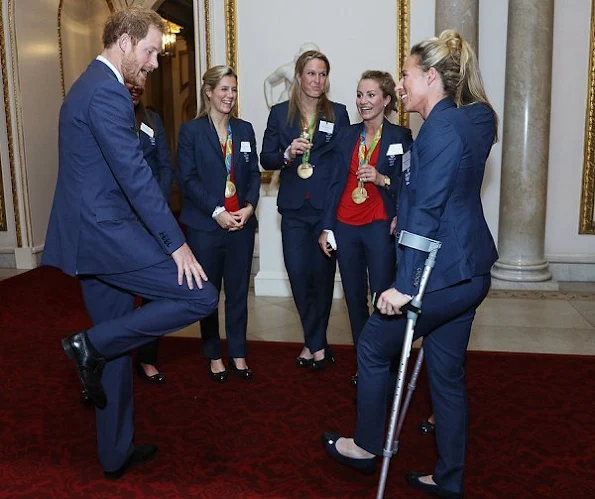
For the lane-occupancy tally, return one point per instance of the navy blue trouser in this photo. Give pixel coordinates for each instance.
(311, 273)
(119, 328)
(226, 256)
(445, 323)
(366, 253)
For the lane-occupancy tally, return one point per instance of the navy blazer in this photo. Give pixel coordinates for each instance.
(440, 197)
(156, 153)
(202, 171)
(109, 215)
(387, 165)
(293, 190)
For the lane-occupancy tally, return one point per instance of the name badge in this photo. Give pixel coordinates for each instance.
(406, 167)
(406, 161)
(394, 149)
(326, 126)
(147, 129)
(245, 147)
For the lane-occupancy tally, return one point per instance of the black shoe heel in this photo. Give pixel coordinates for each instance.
(240, 373)
(156, 379)
(67, 347)
(427, 428)
(217, 377)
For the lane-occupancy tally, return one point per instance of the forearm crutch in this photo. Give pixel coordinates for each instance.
(413, 309)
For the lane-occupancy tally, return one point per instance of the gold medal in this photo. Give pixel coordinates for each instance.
(230, 189)
(359, 194)
(305, 170)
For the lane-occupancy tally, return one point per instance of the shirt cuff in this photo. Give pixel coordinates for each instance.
(330, 238)
(218, 211)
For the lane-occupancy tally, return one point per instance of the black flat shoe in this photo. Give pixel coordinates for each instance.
(365, 466)
(303, 362)
(85, 399)
(240, 373)
(413, 479)
(217, 377)
(156, 379)
(427, 428)
(328, 359)
(141, 454)
(89, 365)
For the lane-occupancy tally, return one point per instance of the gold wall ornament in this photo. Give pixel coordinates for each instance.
(3, 221)
(231, 34)
(231, 39)
(208, 31)
(7, 109)
(587, 205)
(403, 42)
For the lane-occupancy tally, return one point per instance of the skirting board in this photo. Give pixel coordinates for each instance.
(271, 283)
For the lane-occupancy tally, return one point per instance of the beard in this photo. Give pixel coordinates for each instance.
(132, 72)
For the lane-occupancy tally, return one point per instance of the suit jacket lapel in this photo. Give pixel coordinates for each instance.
(213, 139)
(385, 141)
(237, 141)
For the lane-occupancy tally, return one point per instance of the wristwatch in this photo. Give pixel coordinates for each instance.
(387, 181)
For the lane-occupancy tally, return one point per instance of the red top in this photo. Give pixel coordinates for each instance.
(373, 208)
(232, 203)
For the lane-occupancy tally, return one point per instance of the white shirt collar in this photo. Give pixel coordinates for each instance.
(112, 67)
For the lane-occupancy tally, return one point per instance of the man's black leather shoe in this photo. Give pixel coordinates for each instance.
(89, 365)
(413, 479)
(141, 454)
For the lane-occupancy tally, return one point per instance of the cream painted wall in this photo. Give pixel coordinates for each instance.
(569, 101)
(269, 35)
(40, 98)
(82, 27)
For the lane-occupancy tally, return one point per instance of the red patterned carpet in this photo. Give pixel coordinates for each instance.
(531, 430)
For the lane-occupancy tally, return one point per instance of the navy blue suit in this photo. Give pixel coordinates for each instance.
(225, 255)
(111, 226)
(366, 252)
(301, 204)
(156, 154)
(440, 198)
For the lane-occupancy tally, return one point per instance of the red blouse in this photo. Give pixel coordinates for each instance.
(373, 208)
(232, 203)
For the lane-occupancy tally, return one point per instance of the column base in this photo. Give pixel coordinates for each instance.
(536, 277)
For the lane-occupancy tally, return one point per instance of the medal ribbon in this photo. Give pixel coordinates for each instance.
(363, 154)
(228, 151)
(311, 127)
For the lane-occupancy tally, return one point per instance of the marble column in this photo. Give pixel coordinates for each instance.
(525, 145)
(462, 15)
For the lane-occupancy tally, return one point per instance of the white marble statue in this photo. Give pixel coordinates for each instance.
(284, 74)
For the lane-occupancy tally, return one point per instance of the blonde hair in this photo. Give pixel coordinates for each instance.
(387, 85)
(324, 106)
(456, 63)
(210, 80)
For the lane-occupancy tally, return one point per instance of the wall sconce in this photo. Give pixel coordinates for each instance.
(168, 39)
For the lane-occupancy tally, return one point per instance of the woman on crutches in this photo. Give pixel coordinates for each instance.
(439, 199)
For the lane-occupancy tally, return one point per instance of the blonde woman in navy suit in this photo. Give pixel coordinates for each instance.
(440, 198)
(363, 199)
(220, 183)
(299, 140)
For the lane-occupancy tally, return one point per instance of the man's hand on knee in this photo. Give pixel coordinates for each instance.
(188, 267)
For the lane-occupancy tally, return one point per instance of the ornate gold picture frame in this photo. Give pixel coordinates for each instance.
(587, 205)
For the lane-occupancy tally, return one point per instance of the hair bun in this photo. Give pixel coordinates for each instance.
(453, 41)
